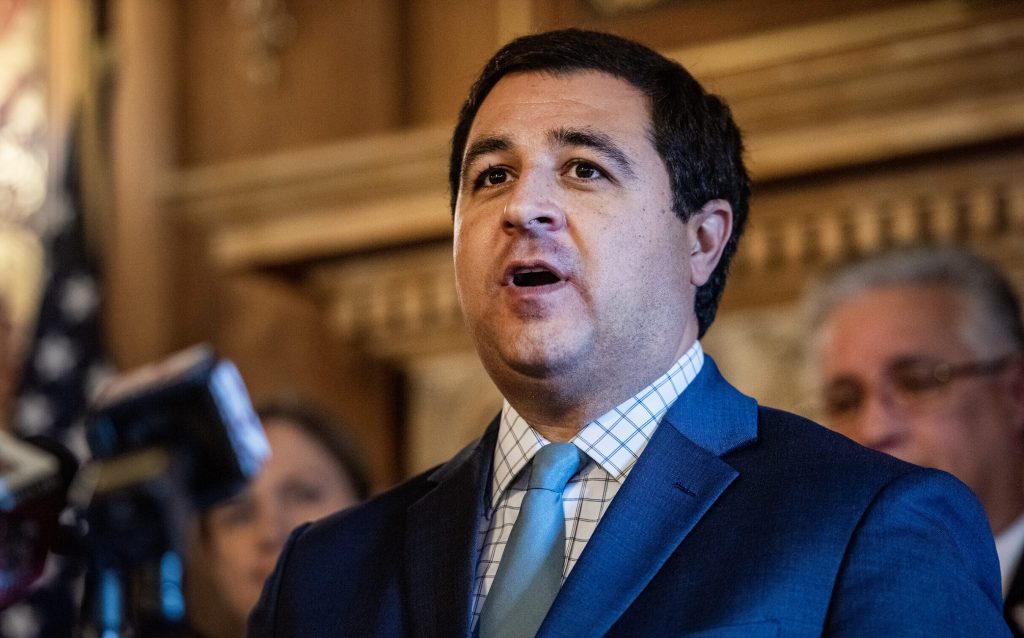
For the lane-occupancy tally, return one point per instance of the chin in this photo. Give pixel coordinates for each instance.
(543, 363)
(241, 604)
(535, 351)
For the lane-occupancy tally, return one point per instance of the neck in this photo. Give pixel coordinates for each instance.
(1001, 492)
(1003, 513)
(558, 415)
(556, 420)
(558, 432)
(558, 403)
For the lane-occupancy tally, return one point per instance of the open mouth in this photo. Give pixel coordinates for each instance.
(534, 277)
(533, 273)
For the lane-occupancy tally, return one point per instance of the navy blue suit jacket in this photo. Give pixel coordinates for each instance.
(737, 520)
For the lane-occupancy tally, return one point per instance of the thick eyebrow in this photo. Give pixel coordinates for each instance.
(597, 141)
(483, 146)
(562, 136)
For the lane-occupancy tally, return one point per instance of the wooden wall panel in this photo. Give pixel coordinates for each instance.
(283, 347)
(340, 75)
(668, 24)
(140, 267)
(448, 42)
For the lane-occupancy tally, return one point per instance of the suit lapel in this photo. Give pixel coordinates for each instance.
(673, 484)
(441, 539)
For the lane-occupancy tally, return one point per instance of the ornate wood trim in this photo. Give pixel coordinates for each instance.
(882, 84)
(396, 305)
(797, 232)
(369, 194)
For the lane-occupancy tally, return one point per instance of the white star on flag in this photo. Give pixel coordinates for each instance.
(56, 357)
(35, 414)
(79, 297)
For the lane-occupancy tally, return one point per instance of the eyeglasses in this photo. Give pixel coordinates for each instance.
(912, 384)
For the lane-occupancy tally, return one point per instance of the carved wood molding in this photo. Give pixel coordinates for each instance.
(899, 81)
(796, 233)
(397, 305)
(368, 194)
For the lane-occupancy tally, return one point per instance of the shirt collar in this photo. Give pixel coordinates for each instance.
(614, 440)
(1009, 546)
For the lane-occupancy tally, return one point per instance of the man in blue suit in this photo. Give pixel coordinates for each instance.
(598, 195)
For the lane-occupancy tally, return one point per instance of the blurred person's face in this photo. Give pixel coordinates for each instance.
(901, 375)
(300, 482)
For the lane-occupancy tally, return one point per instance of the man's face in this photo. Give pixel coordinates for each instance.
(880, 348)
(570, 263)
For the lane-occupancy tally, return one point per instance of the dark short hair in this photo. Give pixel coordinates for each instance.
(691, 129)
(325, 430)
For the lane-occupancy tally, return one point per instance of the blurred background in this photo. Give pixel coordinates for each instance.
(269, 176)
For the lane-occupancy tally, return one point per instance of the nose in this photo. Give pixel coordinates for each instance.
(880, 423)
(532, 209)
(273, 531)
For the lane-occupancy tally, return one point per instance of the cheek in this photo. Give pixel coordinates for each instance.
(631, 262)
(298, 514)
(231, 555)
(959, 438)
(467, 263)
(653, 240)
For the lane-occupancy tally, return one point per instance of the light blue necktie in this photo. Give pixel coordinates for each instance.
(530, 572)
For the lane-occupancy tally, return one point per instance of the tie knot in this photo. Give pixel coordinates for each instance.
(554, 464)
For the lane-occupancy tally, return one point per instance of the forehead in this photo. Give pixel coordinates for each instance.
(531, 102)
(292, 447)
(898, 320)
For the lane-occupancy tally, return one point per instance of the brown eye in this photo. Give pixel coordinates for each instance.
(843, 397)
(302, 492)
(235, 513)
(493, 176)
(584, 170)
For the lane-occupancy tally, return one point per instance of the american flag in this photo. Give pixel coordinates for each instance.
(65, 357)
(65, 365)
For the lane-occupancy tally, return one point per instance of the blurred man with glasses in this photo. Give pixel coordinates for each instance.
(919, 354)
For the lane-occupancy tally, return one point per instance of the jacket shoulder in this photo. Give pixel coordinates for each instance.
(350, 554)
(808, 447)
(380, 514)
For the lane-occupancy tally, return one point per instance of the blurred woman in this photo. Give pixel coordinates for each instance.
(313, 471)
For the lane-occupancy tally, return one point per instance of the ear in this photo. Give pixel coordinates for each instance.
(708, 230)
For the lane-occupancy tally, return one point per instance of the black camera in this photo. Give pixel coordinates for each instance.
(167, 440)
(32, 495)
(190, 411)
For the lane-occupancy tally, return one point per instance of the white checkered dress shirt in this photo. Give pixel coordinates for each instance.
(613, 443)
